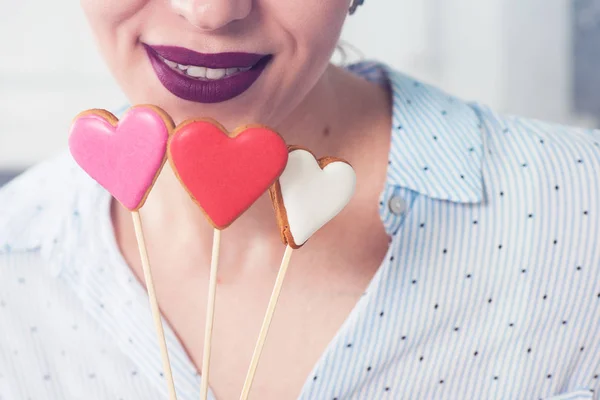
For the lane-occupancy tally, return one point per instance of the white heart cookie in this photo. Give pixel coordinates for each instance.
(310, 193)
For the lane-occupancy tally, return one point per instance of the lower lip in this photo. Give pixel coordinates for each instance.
(205, 91)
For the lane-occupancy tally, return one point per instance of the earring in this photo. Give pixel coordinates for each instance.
(354, 5)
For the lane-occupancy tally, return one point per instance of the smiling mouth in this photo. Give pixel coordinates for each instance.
(204, 73)
(205, 78)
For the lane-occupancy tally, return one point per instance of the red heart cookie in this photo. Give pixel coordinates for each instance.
(225, 174)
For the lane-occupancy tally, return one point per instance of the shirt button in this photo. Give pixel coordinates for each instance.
(397, 205)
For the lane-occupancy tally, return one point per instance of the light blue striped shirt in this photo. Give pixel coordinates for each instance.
(490, 288)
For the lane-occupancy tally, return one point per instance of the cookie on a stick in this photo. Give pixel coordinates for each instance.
(224, 173)
(125, 157)
(308, 194)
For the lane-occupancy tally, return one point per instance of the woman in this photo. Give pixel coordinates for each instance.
(466, 266)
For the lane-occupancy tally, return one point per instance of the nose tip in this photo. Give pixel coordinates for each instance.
(212, 14)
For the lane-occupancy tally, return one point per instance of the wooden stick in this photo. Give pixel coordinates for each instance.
(264, 330)
(210, 313)
(139, 234)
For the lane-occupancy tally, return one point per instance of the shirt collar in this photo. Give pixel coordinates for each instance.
(437, 143)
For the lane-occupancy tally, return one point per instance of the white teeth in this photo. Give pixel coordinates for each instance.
(196, 72)
(203, 72)
(214, 73)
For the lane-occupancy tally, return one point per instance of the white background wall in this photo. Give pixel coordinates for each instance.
(512, 54)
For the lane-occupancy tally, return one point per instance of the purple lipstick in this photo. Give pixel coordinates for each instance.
(205, 78)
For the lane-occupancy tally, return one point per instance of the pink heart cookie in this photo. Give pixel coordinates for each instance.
(123, 156)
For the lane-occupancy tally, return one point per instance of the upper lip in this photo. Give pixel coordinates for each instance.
(184, 56)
